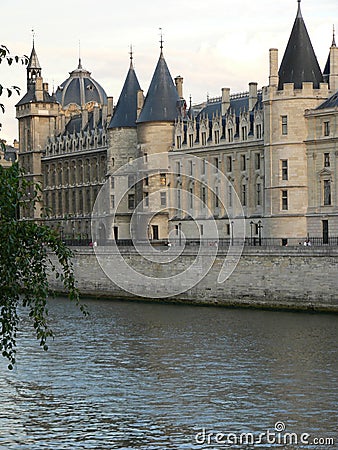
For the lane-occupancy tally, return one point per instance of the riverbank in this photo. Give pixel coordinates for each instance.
(288, 278)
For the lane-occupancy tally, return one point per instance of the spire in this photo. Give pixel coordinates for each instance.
(126, 109)
(131, 56)
(33, 67)
(299, 62)
(161, 42)
(333, 38)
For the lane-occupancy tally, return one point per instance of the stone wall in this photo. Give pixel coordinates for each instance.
(284, 278)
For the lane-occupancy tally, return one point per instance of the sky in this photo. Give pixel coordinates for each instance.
(224, 43)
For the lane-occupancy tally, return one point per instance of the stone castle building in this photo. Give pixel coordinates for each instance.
(275, 145)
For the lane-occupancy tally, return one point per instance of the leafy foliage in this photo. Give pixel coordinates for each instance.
(25, 263)
(6, 56)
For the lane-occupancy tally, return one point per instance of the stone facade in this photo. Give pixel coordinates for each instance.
(274, 148)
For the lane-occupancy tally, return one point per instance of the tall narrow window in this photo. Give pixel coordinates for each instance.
(230, 135)
(216, 136)
(131, 201)
(229, 163)
(259, 131)
(244, 133)
(204, 138)
(203, 166)
(179, 141)
(327, 192)
(216, 197)
(244, 194)
(285, 203)
(163, 199)
(257, 161)
(285, 174)
(326, 128)
(204, 196)
(191, 140)
(258, 194)
(326, 159)
(284, 125)
(243, 162)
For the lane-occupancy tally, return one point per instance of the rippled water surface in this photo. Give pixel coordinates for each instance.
(152, 376)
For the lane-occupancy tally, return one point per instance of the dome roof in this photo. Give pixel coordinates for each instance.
(80, 89)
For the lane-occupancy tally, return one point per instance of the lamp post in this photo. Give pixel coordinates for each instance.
(260, 226)
(251, 225)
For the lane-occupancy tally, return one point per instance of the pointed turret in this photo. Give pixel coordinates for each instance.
(125, 114)
(162, 99)
(299, 63)
(330, 73)
(33, 68)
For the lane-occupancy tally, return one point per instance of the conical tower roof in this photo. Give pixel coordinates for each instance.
(299, 62)
(162, 97)
(33, 62)
(125, 114)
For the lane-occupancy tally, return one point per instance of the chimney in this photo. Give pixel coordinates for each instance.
(225, 100)
(333, 78)
(140, 101)
(96, 115)
(84, 117)
(252, 95)
(179, 85)
(273, 60)
(110, 107)
(38, 90)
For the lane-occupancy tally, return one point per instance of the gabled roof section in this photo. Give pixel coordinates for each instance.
(331, 102)
(299, 61)
(125, 114)
(161, 103)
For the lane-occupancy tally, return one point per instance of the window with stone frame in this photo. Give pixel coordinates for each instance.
(284, 123)
(327, 192)
(285, 169)
(285, 201)
(229, 163)
(326, 128)
(326, 159)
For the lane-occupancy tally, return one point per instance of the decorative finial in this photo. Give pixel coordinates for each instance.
(80, 65)
(299, 13)
(131, 55)
(33, 34)
(333, 38)
(161, 40)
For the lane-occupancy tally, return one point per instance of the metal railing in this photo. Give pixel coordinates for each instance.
(208, 242)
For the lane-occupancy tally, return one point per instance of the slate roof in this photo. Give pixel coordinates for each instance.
(161, 103)
(125, 113)
(80, 88)
(238, 103)
(299, 61)
(331, 102)
(30, 97)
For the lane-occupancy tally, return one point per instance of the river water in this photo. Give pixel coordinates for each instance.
(157, 376)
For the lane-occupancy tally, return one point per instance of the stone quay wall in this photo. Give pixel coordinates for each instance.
(294, 278)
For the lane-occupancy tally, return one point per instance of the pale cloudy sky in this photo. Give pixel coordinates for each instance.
(223, 43)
